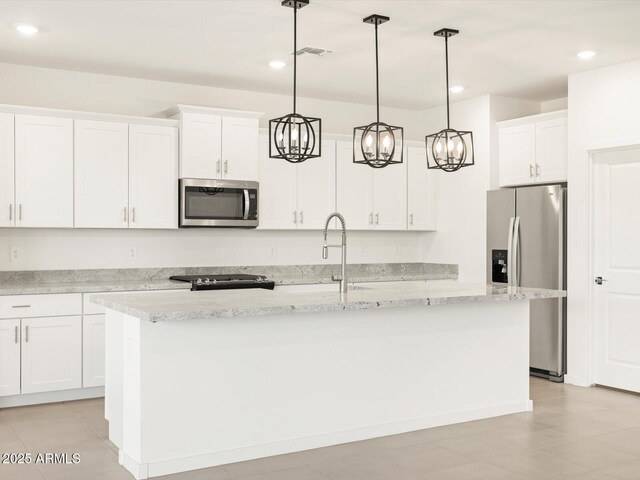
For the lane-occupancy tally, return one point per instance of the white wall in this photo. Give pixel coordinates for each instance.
(554, 105)
(603, 111)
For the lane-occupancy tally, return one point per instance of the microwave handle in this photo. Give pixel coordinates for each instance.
(246, 204)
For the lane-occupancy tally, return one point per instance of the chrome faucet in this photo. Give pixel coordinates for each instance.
(325, 251)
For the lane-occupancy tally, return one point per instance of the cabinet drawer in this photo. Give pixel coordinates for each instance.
(26, 306)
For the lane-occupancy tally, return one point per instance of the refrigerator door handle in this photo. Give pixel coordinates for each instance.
(510, 253)
(516, 252)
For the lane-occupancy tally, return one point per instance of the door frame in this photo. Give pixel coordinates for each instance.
(592, 152)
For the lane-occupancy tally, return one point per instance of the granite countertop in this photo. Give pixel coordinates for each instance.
(163, 306)
(91, 287)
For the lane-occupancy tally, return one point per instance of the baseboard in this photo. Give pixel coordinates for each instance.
(176, 465)
(51, 397)
(577, 381)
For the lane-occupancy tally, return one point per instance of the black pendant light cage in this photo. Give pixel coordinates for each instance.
(449, 149)
(294, 137)
(378, 144)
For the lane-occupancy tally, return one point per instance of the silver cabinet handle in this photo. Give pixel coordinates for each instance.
(295, 216)
(20, 211)
(371, 218)
(133, 214)
(530, 171)
(20, 306)
(377, 219)
(537, 170)
(11, 211)
(17, 339)
(26, 334)
(124, 214)
(218, 166)
(411, 219)
(515, 254)
(226, 166)
(510, 253)
(301, 216)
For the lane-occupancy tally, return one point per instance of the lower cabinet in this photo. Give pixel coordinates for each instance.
(93, 353)
(9, 357)
(51, 354)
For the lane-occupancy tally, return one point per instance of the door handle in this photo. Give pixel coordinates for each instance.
(599, 280)
(246, 204)
(510, 253)
(218, 166)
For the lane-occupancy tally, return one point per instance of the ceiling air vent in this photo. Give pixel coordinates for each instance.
(316, 52)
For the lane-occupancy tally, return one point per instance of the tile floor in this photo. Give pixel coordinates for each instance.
(573, 434)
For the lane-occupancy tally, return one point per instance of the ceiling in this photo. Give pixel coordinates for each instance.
(516, 48)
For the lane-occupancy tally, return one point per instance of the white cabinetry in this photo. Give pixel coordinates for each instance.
(297, 196)
(153, 177)
(421, 191)
(93, 352)
(44, 171)
(9, 357)
(533, 149)
(371, 198)
(7, 192)
(101, 159)
(51, 354)
(218, 143)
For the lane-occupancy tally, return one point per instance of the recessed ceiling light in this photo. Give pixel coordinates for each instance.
(456, 89)
(277, 64)
(587, 54)
(26, 29)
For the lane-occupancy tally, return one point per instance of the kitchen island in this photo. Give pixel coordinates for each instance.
(196, 379)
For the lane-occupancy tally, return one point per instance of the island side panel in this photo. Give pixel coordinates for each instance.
(222, 390)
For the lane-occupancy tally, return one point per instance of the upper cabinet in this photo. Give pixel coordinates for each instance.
(371, 198)
(421, 191)
(297, 196)
(218, 143)
(43, 171)
(533, 149)
(7, 180)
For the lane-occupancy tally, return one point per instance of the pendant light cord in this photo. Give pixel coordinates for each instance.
(377, 80)
(446, 62)
(295, 53)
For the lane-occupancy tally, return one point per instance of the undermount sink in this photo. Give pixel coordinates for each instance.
(317, 287)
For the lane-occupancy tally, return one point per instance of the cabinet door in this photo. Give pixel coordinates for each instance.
(517, 155)
(201, 146)
(240, 148)
(317, 188)
(101, 158)
(354, 189)
(153, 177)
(44, 171)
(421, 191)
(390, 197)
(551, 150)
(7, 173)
(51, 354)
(278, 191)
(9, 357)
(93, 353)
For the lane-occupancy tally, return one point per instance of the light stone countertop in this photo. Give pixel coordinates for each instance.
(161, 306)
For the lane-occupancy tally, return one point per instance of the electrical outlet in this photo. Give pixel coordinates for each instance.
(14, 254)
(132, 253)
(273, 252)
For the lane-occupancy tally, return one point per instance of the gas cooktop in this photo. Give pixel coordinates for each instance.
(225, 282)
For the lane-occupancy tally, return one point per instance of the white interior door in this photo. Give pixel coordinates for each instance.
(9, 357)
(51, 354)
(317, 188)
(354, 189)
(44, 171)
(617, 261)
(240, 148)
(101, 158)
(277, 204)
(153, 177)
(7, 173)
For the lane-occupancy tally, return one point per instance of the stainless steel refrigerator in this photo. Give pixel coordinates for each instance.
(526, 246)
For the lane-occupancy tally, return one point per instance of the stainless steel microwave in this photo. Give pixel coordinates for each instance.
(218, 203)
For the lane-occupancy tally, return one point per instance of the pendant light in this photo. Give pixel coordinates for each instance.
(377, 144)
(449, 149)
(294, 137)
